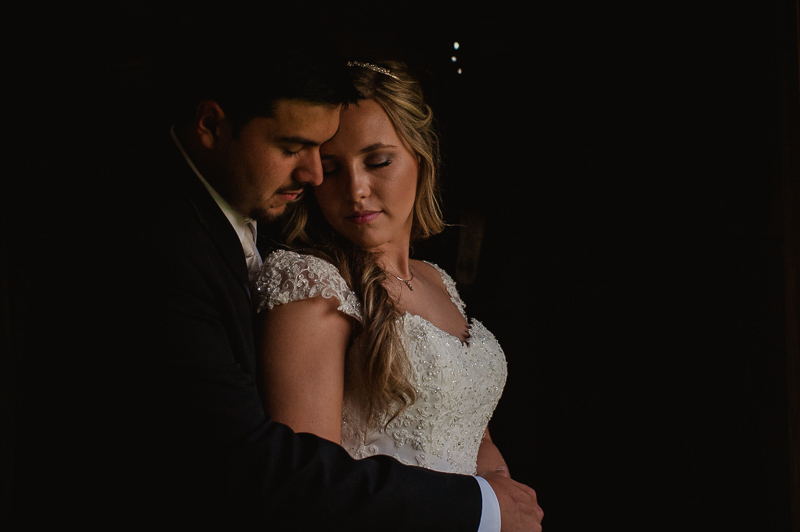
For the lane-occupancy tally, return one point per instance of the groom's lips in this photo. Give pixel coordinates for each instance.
(289, 195)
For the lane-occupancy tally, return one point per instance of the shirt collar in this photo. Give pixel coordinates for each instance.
(238, 221)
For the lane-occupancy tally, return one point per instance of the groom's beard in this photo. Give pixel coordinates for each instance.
(272, 214)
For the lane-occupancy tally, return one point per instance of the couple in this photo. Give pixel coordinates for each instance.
(241, 418)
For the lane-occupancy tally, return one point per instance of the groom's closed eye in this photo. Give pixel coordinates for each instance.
(294, 145)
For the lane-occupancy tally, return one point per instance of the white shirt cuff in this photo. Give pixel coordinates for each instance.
(490, 515)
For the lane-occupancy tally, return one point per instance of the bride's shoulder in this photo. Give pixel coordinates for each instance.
(286, 265)
(285, 258)
(287, 276)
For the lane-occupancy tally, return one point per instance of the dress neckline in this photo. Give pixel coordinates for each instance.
(455, 299)
(464, 343)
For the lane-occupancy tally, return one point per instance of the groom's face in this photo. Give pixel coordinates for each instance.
(273, 159)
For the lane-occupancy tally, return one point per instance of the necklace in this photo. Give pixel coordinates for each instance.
(407, 281)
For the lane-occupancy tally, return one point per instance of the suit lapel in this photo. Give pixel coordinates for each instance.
(219, 228)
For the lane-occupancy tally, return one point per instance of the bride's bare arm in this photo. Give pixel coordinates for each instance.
(302, 346)
(489, 458)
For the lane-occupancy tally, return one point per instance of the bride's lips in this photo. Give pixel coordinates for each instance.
(362, 217)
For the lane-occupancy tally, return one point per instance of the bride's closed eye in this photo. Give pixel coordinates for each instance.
(331, 168)
(378, 162)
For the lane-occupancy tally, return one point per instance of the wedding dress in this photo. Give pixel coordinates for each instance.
(458, 383)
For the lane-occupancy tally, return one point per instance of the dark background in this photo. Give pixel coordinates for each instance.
(630, 168)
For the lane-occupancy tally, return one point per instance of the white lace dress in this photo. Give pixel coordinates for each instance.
(458, 384)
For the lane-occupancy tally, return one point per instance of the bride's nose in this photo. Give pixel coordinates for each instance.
(356, 184)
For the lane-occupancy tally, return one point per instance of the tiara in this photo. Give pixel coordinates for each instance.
(375, 68)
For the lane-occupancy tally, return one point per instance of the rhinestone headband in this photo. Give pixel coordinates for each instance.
(375, 68)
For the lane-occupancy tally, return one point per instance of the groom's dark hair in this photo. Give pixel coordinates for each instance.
(253, 58)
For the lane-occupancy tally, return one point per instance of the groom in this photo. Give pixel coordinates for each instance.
(191, 446)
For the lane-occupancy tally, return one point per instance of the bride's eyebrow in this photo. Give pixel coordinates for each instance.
(376, 146)
(371, 147)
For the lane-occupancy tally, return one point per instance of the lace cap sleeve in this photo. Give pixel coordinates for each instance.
(288, 276)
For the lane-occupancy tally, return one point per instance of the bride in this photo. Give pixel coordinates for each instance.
(360, 343)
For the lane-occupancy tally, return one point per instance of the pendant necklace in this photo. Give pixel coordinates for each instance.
(407, 281)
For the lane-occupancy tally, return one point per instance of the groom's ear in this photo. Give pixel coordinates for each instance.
(209, 122)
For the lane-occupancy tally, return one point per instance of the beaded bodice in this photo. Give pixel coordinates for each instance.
(458, 383)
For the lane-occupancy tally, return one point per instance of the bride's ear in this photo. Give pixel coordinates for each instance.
(209, 123)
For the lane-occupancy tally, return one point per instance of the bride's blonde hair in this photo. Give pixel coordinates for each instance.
(378, 375)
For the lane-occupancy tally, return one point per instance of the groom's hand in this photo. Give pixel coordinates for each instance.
(519, 509)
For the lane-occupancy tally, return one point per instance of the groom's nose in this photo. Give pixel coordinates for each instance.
(309, 169)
